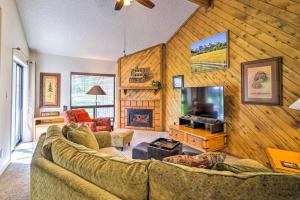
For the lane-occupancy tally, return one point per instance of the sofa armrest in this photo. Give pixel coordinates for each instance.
(103, 138)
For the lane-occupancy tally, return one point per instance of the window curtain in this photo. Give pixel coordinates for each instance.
(29, 101)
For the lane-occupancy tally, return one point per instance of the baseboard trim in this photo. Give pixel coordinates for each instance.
(4, 167)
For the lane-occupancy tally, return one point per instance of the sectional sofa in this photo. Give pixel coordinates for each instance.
(75, 172)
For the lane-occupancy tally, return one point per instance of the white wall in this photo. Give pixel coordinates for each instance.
(64, 66)
(12, 36)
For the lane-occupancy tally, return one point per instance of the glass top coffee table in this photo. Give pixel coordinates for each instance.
(162, 147)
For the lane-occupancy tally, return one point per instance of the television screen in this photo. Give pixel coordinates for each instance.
(203, 101)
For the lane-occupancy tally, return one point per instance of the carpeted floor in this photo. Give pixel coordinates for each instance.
(14, 182)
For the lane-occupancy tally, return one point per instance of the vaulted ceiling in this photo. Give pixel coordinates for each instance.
(92, 29)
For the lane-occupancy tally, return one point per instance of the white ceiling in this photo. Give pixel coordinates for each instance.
(92, 29)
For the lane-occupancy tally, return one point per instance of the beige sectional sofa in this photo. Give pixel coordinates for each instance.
(78, 173)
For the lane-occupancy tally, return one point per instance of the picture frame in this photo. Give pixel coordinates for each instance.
(178, 81)
(50, 90)
(261, 81)
(211, 53)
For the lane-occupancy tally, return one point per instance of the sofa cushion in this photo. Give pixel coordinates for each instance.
(242, 165)
(178, 182)
(66, 128)
(127, 179)
(53, 133)
(111, 151)
(205, 160)
(84, 136)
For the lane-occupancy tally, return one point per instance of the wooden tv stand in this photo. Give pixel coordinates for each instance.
(198, 138)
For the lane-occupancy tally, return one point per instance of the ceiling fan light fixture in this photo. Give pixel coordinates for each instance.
(128, 2)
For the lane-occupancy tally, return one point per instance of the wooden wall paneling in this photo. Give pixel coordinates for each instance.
(153, 58)
(257, 29)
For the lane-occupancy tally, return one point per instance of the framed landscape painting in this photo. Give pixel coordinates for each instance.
(210, 54)
(49, 90)
(261, 81)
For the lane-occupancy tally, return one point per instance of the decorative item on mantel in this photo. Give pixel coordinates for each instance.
(140, 75)
(157, 84)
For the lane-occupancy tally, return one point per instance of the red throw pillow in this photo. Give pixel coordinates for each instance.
(83, 117)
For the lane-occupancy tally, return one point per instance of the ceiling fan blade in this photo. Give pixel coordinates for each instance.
(147, 3)
(119, 4)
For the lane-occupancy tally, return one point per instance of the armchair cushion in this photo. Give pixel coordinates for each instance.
(83, 117)
(69, 115)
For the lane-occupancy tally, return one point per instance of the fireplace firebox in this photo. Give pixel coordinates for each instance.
(140, 117)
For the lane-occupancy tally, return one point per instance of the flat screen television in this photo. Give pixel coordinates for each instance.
(203, 101)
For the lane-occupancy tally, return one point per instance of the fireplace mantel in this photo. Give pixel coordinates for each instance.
(125, 89)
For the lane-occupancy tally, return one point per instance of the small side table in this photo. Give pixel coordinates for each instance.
(277, 157)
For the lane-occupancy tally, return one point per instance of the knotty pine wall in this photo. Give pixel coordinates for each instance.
(258, 29)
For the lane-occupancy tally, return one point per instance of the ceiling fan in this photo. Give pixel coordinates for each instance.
(120, 3)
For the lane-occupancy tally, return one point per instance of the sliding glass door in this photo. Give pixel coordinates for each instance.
(18, 104)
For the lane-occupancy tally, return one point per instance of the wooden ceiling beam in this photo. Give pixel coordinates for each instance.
(203, 3)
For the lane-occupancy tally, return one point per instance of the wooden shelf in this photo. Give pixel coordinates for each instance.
(125, 89)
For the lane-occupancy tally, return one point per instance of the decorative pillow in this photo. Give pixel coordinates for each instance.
(53, 133)
(67, 128)
(242, 165)
(83, 135)
(206, 160)
(83, 117)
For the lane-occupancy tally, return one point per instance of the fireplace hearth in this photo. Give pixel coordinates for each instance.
(140, 117)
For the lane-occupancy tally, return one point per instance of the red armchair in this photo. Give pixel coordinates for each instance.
(96, 125)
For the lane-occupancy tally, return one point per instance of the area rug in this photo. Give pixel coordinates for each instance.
(14, 182)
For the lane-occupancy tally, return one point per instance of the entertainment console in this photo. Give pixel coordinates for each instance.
(211, 125)
(197, 138)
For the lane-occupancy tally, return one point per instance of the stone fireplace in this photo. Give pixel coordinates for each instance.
(140, 117)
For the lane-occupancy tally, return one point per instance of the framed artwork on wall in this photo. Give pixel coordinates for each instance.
(49, 90)
(261, 81)
(178, 81)
(210, 54)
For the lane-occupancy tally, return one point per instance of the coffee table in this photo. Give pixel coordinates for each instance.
(162, 147)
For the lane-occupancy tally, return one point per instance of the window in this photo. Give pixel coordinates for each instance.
(80, 85)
